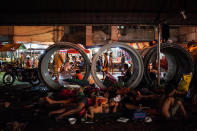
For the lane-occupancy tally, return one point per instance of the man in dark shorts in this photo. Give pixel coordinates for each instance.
(122, 61)
(170, 104)
(99, 64)
(111, 63)
(126, 74)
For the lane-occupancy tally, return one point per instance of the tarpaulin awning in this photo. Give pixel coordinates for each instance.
(22, 47)
(9, 47)
(139, 45)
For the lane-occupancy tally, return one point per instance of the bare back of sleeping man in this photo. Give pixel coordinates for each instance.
(171, 105)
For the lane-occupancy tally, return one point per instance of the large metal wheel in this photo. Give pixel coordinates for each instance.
(138, 67)
(44, 62)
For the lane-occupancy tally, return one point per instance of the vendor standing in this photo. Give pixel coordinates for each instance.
(122, 61)
(99, 64)
(111, 63)
(22, 59)
(67, 66)
(36, 62)
(58, 61)
(29, 63)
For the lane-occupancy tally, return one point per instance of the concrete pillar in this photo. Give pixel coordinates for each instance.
(66, 29)
(114, 33)
(54, 34)
(88, 35)
(60, 32)
(10, 34)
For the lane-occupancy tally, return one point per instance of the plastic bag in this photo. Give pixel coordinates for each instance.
(185, 82)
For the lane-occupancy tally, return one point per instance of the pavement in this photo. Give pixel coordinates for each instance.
(32, 114)
(27, 110)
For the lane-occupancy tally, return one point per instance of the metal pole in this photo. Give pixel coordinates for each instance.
(30, 51)
(33, 58)
(158, 55)
(57, 33)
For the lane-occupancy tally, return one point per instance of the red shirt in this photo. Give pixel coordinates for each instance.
(28, 63)
(79, 76)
